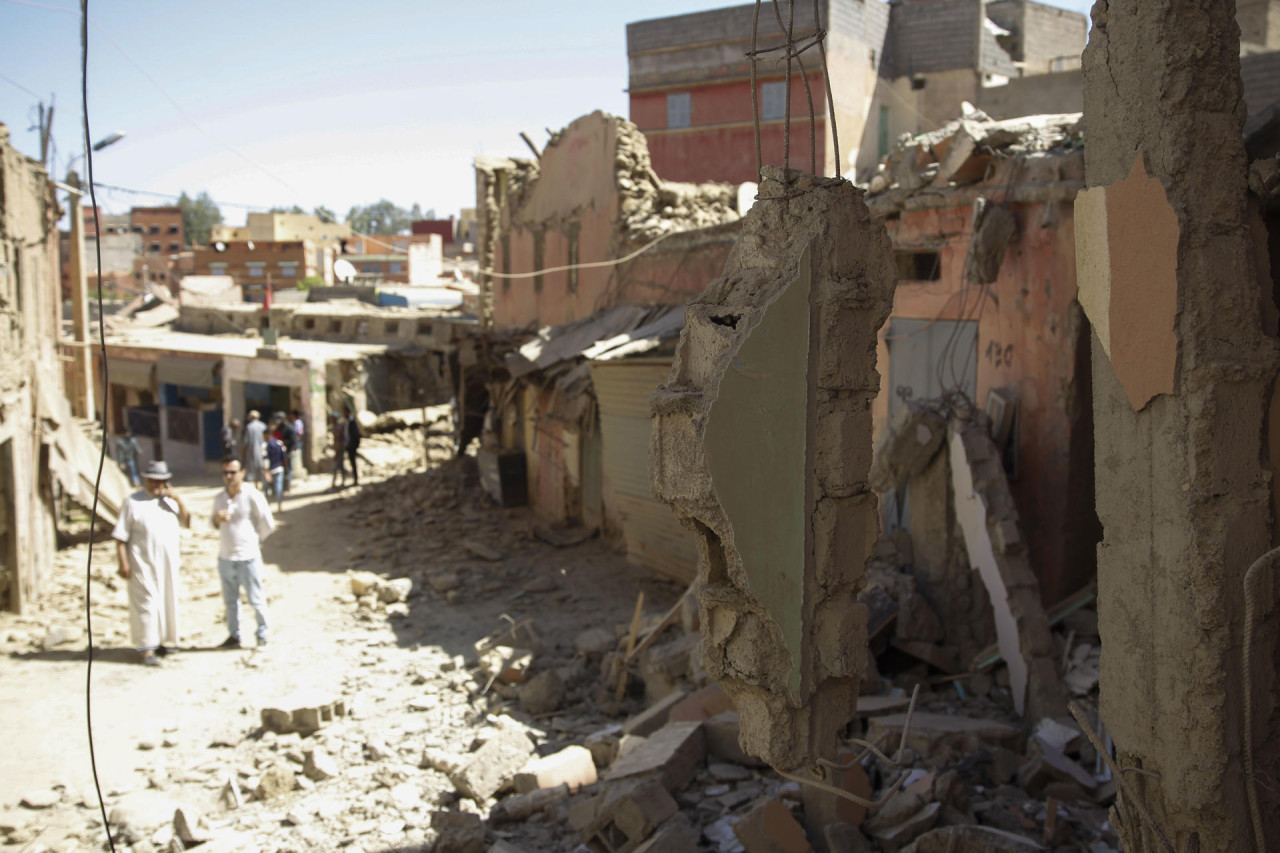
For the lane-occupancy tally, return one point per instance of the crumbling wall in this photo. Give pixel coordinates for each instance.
(592, 196)
(762, 441)
(1181, 472)
(30, 382)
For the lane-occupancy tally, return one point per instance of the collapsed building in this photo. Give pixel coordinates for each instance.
(569, 396)
(45, 456)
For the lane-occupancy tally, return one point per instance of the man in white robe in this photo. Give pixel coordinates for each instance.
(147, 534)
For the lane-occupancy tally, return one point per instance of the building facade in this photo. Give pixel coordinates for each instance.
(257, 265)
(894, 68)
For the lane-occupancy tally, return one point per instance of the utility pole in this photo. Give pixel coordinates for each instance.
(46, 126)
(82, 396)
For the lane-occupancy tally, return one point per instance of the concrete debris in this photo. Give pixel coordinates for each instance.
(457, 832)
(523, 805)
(985, 511)
(770, 828)
(506, 664)
(594, 642)
(673, 754)
(1045, 154)
(543, 693)
(622, 817)
(494, 765)
(319, 765)
(572, 767)
(41, 799)
(304, 713)
(907, 447)
(779, 347)
(995, 228)
(276, 781)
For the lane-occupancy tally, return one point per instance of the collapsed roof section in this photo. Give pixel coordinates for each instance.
(1031, 159)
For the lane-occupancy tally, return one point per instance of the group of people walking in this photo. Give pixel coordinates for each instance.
(268, 452)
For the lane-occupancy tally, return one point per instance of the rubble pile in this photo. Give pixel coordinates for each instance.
(573, 722)
(651, 206)
(1042, 154)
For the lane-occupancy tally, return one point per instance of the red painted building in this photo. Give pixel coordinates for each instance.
(894, 68)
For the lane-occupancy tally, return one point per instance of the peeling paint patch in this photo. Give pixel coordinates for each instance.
(1126, 260)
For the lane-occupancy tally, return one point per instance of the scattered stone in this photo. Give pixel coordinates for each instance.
(457, 832)
(542, 694)
(843, 838)
(931, 734)
(376, 750)
(655, 716)
(443, 582)
(230, 797)
(728, 772)
(673, 753)
(319, 765)
(624, 815)
(397, 611)
(603, 746)
(910, 828)
(506, 664)
(363, 583)
(482, 550)
(572, 766)
(42, 799)
(276, 781)
(492, 767)
(677, 835)
(303, 713)
(770, 828)
(61, 635)
(595, 642)
(523, 805)
(395, 590)
(189, 826)
(971, 839)
(406, 796)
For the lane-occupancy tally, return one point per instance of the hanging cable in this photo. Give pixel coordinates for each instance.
(102, 450)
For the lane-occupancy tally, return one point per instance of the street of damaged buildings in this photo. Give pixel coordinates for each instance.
(763, 515)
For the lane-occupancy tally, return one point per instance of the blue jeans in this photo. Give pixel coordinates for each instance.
(246, 573)
(131, 468)
(277, 485)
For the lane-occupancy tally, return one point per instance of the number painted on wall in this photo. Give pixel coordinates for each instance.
(1000, 355)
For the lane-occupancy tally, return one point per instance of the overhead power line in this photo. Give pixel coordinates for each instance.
(18, 85)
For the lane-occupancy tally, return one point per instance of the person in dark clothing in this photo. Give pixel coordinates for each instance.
(287, 436)
(353, 442)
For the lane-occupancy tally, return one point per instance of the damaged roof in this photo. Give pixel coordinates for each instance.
(1033, 158)
(625, 328)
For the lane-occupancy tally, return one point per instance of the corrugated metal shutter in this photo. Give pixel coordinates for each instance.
(654, 536)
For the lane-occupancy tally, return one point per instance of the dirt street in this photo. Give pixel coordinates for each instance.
(177, 734)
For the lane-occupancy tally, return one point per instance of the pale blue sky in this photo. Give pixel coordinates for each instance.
(339, 104)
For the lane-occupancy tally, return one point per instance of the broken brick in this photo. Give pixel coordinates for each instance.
(673, 753)
(770, 828)
(492, 767)
(654, 717)
(572, 766)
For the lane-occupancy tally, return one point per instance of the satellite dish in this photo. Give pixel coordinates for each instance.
(219, 246)
(343, 270)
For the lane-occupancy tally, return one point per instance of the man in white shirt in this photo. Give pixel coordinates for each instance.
(243, 518)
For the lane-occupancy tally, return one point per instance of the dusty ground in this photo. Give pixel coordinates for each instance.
(176, 734)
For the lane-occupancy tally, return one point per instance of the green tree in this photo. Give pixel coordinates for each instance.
(324, 214)
(199, 215)
(381, 217)
(293, 209)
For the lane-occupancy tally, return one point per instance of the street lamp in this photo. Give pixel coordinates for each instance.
(82, 395)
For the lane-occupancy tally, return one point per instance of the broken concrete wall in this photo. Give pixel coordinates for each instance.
(30, 375)
(1182, 479)
(1029, 336)
(762, 443)
(593, 196)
